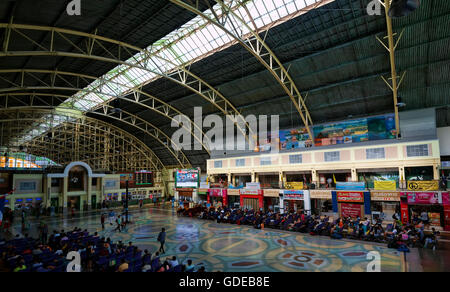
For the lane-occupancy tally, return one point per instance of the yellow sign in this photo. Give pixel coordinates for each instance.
(385, 185)
(294, 186)
(423, 186)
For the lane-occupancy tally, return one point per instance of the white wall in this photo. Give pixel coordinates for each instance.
(418, 123)
(444, 140)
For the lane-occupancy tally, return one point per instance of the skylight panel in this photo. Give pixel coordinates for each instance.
(192, 41)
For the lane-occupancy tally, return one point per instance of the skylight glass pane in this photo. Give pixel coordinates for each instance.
(192, 41)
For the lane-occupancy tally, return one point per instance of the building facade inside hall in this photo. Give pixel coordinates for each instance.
(358, 178)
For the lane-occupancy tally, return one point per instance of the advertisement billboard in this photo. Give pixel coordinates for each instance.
(187, 178)
(423, 198)
(351, 210)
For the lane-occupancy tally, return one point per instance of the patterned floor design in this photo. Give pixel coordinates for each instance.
(231, 248)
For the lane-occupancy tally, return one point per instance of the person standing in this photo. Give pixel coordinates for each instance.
(23, 218)
(44, 233)
(162, 240)
(102, 220)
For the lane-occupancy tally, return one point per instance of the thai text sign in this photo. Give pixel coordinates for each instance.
(350, 197)
(294, 185)
(423, 186)
(351, 210)
(422, 198)
(293, 195)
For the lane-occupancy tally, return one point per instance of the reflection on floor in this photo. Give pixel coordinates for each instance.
(232, 248)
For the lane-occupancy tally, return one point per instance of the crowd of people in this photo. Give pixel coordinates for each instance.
(97, 254)
(396, 235)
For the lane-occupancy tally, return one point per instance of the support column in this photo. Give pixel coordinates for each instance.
(12, 203)
(435, 172)
(195, 196)
(102, 189)
(256, 177)
(354, 175)
(315, 178)
(281, 179)
(89, 193)
(253, 177)
(64, 198)
(47, 192)
(307, 202)
(282, 205)
(402, 178)
(229, 178)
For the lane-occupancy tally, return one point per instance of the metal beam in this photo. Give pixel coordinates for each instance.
(14, 116)
(395, 79)
(254, 44)
(140, 97)
(124, 117)
(178, 74)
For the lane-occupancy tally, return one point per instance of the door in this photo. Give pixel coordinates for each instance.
(94, 202)
(250, 203)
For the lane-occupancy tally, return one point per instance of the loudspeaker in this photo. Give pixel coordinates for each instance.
(401, 8)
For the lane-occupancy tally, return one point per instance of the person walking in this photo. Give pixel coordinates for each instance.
(111, 216)
(119, 223)
(162, 240)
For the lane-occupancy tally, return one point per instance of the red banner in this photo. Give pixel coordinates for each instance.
(222, 193)
(218, 192)
(422, 198)
(447, 217)
(405, 213)
(351, 210)
(350, 197)
(445, 199)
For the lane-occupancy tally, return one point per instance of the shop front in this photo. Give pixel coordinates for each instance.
(272, 200)
(203, 192)
(321, 202)
(295, 200)
(385, 204)
(74, 203)
(251, 199)
(352, 204)
(184, 194)
(203, 195)
(217, 197)
(234, 200)
(434, 206)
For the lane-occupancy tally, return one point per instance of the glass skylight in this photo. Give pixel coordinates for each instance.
(191, 42)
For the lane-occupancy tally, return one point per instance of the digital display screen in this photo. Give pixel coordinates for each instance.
(187, 178)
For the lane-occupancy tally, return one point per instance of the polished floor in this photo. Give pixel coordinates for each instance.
(232, 248)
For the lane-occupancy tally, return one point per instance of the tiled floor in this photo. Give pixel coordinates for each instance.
(231, 248)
